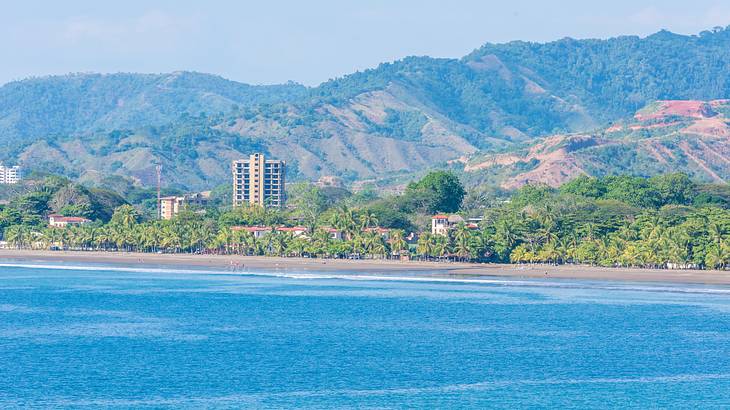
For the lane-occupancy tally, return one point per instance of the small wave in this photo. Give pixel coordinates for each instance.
(536, 283)
(257, 398)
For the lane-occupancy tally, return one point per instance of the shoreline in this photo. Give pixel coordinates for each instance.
(366, 266)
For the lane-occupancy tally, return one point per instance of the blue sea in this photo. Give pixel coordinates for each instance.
(103, 337)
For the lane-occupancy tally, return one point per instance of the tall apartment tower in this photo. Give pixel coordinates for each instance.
(9, 175)
(258, 181)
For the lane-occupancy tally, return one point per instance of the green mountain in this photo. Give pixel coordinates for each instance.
(36, 108)
(400, 117)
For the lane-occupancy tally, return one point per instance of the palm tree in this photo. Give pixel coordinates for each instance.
(125, 215)
(53, 236)
(344, 220)
(368, 219)
(378, 247)
(520, 254)
(18, 236)
(566, 250)
(397, 241)
(321, 241)
(358, 244)
(299, 245)
(374, 244)
(550, 253)
(462, 238)
(505, 237)
(715, 257)
(440, 245)
(589, 231)
(171, 239)
(424, 245)
(281, 241)
(716, 233)
(223, 240)
(152, 236)
(104, 238)
(631, 256)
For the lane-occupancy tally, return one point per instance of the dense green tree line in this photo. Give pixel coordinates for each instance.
(662, 222)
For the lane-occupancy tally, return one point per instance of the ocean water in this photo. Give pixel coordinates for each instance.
(73, 337)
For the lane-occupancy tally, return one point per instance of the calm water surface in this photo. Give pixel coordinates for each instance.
(104, 338)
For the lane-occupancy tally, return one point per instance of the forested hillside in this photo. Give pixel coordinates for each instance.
(614, 78)
(666, 136)
(400, 117)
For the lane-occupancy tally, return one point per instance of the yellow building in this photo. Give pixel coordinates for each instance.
(258, 181)
(172, 205)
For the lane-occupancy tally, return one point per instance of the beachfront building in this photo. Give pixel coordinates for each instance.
(384, 232)
(334, 233)
(172, 205)
(258, 181)
(9, 175)
(441, 224)
(256, 231)
(60, 221)
(297, 231)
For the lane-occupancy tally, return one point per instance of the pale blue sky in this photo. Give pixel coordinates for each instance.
(305, 41)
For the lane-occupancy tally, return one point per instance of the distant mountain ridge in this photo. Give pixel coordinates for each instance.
(400, 117)
(82, 103)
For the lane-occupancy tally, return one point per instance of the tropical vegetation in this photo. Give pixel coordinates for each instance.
(666, 221)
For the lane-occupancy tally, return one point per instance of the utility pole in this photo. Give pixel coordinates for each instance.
(159, 189)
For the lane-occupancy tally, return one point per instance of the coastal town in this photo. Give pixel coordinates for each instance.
(432, 219)
(258, 185)
(365, 204)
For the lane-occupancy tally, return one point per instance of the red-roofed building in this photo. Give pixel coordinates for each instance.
(257, 231)
(295, 230)
(384, 232)
(60, 221)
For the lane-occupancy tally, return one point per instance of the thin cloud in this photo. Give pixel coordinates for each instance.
(144, 31)
(689, 22)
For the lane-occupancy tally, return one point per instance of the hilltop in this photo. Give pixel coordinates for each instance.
(666, 136)
(397, 118)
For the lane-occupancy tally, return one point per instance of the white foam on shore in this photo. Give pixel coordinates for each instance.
(537, 283)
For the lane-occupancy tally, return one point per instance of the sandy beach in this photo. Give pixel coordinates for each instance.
(375, 267)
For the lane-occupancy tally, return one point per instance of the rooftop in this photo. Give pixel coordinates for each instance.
(61, 218)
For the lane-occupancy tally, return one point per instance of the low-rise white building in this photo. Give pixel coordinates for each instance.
(9, 175)
(294, 230)
(441, 224)
(257, 231)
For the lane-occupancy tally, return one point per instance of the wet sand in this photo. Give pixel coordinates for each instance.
(380, 267)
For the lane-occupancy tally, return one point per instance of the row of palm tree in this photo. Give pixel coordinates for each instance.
(197, 237)
(649, 242)
(529, 235)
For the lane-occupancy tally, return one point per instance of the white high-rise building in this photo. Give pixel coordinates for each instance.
(9, 175)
